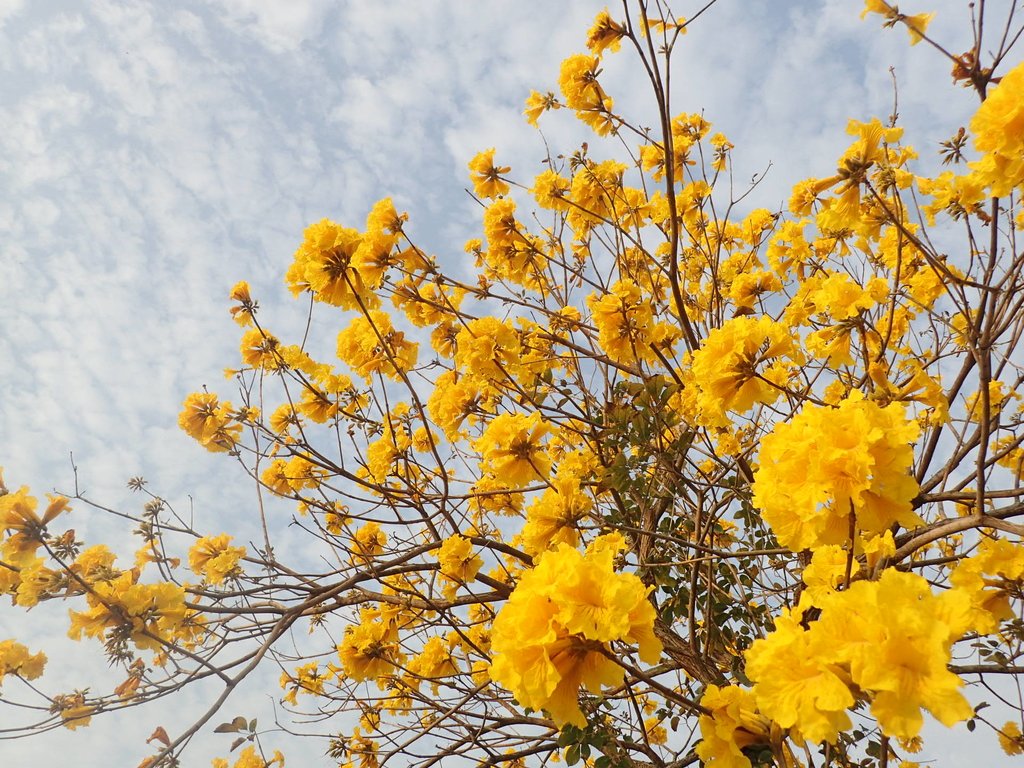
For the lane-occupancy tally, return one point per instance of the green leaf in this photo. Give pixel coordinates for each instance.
(572, 755)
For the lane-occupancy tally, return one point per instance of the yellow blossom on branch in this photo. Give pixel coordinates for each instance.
(554, 634)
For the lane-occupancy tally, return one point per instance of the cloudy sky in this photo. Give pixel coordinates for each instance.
(152, 154)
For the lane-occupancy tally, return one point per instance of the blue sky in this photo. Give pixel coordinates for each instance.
(153, 154)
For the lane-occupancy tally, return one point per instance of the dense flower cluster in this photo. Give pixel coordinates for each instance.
(832, 470)
(555, 633)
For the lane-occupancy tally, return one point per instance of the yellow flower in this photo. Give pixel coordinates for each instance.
(916, 26)
(655, 731)
(605, 34)
(209, 421)
(434, 661)
(243, 313)
(74, 712)
(369, 650)
(149, 614)
(627, 330)
(552, 517)
(486, 176)
(459, 563)
(890, 639)
(743, 363)
(989, 604)
(733, 725)
(551, 191)
(578, 81)
(308, 679)
(826, 463)
(370, 344)
(384, 218)
(551, 636)
(511, 449)
(18, 512)
(212, 558)
(512, 254)
(537, 104)
(1010, 739)
(324, 265)
(797, 682)
(998, 128)
(827, 571)
(259, 350)
(15, 659)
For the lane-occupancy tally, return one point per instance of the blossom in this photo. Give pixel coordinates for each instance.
(1010, 739)
(15, 659)
(998, 128)
(552, 517)
(732, 725)
(459, 563)
(486, 176)
(209, 421)
(369, 650)
(212, 558)
(626, 326)
(368, 541)
(552, 635)
(511, 449)
(324, 265)
(798, 684)
(578, 82)
(243, 313)
(149, 614)
(537, 104)
(605, 34)
(745, 362)
(828, 463)
(259, 350)
(371, 344)
(434, 661)
(890, 639)
(997, 558)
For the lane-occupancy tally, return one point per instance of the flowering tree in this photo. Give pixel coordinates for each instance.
(663, 484)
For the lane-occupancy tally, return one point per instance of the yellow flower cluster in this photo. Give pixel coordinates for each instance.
(888, 640)
(459, 563)
(370, 649)
(745, 362)
(827, 464)
(23, 573)
(342, 266)
(627, 329)
(989, 577)
(371, 344)
(552, 518)
(214, 559)
(998, 128)
(732, 725)
(15, 659)
(554, 633)
(210, 422)
(249, 758)
(582, 92)
(150, 614)
(512, 254)
(486, 176)
(511, 448)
